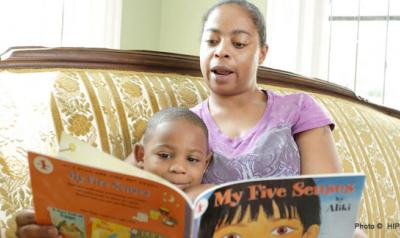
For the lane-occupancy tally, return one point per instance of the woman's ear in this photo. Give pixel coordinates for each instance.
(138, 152)
(263, 54)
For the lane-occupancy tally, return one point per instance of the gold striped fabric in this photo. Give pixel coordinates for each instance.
(109, 110)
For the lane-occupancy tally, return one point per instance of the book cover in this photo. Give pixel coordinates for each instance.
(303, 206)
(87, 193)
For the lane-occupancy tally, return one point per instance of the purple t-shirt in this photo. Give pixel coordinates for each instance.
(268, 149)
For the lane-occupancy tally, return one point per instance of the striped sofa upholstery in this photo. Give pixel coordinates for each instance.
(109, 107)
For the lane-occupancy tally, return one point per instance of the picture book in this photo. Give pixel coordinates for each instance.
(87, 193)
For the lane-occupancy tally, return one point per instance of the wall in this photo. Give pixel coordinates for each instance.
(140, 24)
(178, 27)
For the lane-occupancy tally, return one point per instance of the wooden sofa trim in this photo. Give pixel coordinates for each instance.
(154, 61)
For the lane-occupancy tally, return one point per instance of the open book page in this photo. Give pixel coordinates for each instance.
(72, 149)
(321, 206)
(88, 200)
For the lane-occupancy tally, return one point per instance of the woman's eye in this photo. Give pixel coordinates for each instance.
(232, 235)
(164, 155)
(282, 230)
(211, 42)
(238, 45)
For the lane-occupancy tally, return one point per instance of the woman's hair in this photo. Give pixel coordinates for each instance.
(254, 12)
(306, 207)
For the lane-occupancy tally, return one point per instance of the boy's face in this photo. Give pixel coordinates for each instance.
(176, 151)
(265, 227)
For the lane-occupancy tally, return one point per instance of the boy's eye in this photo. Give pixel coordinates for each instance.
(193, 159)
(282, 230)
(232, 235)
(164, 155)
(238, 45)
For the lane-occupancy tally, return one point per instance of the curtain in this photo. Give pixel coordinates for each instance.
(347, 42)
(53, 23)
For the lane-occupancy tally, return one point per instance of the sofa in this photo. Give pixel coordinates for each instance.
(105, 97)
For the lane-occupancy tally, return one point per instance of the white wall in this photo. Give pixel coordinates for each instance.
(140, 24)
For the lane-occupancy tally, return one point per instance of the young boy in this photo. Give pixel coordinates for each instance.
(174, 147)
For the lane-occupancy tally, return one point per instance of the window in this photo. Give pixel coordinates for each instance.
(353, 43)
(52, 23)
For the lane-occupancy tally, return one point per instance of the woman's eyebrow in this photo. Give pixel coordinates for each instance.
(214, 30)
(238, 31)
(234, 32)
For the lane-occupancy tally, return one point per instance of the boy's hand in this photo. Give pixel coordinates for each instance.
(194, 191)
(27, 227)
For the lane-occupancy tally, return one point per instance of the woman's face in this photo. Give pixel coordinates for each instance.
(230, 51)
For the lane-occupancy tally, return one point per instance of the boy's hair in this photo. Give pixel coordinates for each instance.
(172, 114)
(306, 208)
(254, 12)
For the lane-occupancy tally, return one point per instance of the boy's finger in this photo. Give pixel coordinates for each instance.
(37, 231)
(25, 217)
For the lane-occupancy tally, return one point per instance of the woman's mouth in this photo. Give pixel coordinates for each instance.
(221, 74)
(221, 70)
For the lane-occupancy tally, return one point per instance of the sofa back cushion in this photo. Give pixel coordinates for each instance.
(109, 109)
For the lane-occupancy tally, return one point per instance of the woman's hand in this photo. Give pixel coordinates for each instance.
(27, 227)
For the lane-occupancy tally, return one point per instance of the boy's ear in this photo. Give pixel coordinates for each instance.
(312, 231)
(208, 160)
(138, 152)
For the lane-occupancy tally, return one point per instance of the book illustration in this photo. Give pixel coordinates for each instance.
(43, 165)
(105, 229)
(294, 207)
(276, 208)
(69, 224)
(162, 214)
(167, 219)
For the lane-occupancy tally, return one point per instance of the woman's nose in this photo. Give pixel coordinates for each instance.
(222, 50)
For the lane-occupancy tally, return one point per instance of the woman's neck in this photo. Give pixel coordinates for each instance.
(236, 115)
(236, 102)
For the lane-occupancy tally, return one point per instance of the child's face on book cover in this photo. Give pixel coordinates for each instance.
(264, 227)
(178, 152)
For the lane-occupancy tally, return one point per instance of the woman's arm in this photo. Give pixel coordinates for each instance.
(318, 151)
